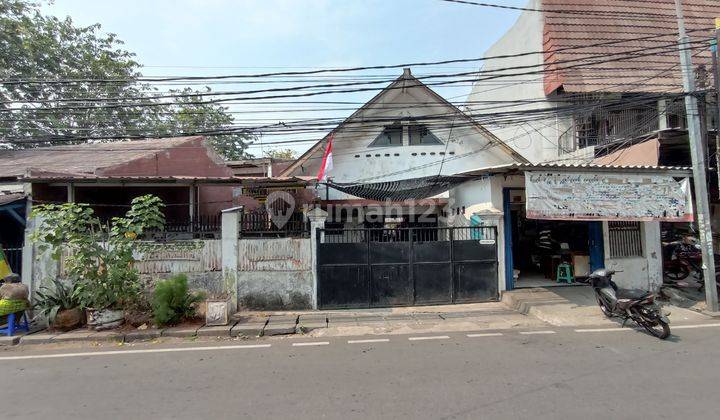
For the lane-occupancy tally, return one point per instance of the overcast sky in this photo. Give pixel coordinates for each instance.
(212, 37)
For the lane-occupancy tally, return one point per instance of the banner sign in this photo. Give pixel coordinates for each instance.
(605, 196)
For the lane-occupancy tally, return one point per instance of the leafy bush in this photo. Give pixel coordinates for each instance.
(50, 300)
(99, 259)
(172, 301)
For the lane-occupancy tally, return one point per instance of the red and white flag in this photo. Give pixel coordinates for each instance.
(327, 161)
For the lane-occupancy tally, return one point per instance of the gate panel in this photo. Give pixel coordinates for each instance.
(432, 273)
(476, 282)
(343, 286)
(475, 270)
(391, 285)
(361, 268)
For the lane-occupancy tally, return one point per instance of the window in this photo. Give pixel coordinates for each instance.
(390, 136)
(420, 135)
(625, 239)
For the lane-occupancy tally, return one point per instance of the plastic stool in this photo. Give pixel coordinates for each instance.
(564, 273)
(15, 324)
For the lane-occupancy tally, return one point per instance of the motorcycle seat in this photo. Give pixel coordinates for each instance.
(632, 294)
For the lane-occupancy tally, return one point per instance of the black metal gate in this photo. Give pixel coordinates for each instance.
(362, 268)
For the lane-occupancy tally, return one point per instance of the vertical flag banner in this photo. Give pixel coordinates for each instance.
(327, 162)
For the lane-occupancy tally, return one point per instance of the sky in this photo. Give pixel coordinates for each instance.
(214, 37)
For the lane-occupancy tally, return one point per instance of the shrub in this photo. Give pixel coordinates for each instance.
(172, 301)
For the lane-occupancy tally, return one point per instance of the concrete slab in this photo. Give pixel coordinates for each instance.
(215, 331)
(9, 341)
(148, 334)
(107, 336)
(308, 323)
(280, 325)
(75, 335)
(38, 338)
(181, 332)
(248, 329)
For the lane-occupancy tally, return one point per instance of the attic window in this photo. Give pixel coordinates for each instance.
(420, 135)
(390, 136)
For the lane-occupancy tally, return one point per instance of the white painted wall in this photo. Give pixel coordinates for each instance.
(465, 147)
(643, 272)
(535, 140)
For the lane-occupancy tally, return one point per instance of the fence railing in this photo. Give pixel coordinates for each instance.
(265, 225)
(198, 227)
(418, 234)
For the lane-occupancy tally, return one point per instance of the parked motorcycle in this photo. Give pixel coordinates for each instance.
(681, 258)
(638, 305)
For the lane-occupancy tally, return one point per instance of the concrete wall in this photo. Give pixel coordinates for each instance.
(275, 273)
(536, 140)
(199, 259)
(643, 272)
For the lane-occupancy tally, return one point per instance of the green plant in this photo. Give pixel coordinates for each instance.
(98, 258)
(50, 300)
(172, 301)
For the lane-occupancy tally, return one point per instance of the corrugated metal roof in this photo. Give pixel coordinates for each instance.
(568, 167)
(84, 158)
(658, 72)
(41, 176)
(10, 198)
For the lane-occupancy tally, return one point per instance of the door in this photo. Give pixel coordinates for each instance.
(596, 245)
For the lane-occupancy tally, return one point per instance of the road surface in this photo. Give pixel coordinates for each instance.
(540, 374)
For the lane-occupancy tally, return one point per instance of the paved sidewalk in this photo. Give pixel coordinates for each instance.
(523, 308)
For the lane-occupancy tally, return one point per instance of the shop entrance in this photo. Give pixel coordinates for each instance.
(534, 249)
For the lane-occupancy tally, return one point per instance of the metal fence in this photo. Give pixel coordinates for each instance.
(264, 225)
(418, 234)
(198, 227)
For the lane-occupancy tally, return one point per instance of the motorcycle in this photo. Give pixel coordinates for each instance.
(681, 258)
(638, 305)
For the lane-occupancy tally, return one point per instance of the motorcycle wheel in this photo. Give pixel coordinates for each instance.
(678, 273)
(603, 306)
(657, 327)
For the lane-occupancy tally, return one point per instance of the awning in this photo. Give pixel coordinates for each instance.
(405, 189)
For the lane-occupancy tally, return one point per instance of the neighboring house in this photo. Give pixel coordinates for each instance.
(406, 138)
(591, 115)
(192, 180)
(600, 98)
(260, 167)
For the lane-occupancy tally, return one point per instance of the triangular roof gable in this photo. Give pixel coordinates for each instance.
(406, 80)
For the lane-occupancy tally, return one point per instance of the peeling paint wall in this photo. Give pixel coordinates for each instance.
(275, 273)
(201, 260)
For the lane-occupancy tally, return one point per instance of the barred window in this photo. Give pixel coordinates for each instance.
(625, 239)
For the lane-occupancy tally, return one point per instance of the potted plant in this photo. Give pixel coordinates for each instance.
(59, 305)
(99, 258)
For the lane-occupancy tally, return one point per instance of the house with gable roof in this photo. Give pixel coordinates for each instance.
(402, 149)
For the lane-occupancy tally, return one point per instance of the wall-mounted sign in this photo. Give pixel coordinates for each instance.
(603, 196)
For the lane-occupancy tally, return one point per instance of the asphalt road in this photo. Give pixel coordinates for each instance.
(558, 374)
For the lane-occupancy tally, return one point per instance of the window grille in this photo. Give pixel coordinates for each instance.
(625, 239)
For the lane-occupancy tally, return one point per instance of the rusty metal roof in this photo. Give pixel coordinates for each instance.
(10, 197)
(85, 159)
(42, 176)
(655, 73)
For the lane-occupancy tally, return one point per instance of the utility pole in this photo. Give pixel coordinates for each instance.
(698, 162)
(716, 74)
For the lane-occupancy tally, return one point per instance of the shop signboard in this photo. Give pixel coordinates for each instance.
(607, 196)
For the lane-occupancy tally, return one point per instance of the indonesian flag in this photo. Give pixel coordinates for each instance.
(327, 162)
